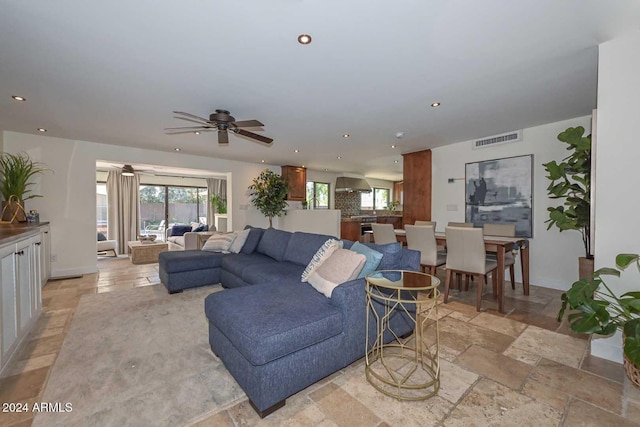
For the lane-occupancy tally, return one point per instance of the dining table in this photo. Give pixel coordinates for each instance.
(498, 244)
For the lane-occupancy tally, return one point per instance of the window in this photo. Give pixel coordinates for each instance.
(160, 204)
(376, 199)
(101, 207)
(317, 195)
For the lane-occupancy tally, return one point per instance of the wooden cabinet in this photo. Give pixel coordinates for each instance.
(296, 176)
(350, 230)
(417, 186)
(21, 272)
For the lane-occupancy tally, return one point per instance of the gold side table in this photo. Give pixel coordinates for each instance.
(406, 368)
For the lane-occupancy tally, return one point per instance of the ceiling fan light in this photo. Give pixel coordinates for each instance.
(304, 39)
(127, 170)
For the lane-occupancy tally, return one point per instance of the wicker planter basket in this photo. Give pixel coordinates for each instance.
(633, 371)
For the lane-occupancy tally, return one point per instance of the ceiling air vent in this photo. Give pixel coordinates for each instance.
(503, 138)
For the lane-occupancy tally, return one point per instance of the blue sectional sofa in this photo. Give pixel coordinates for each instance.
(275, 334)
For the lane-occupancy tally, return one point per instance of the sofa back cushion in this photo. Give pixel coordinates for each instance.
(391, 255)
(179, 230)
(303, 246)
(252, 240)
(274, 243)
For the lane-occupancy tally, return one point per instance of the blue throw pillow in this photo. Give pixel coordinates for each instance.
(199, 228)
(101, 237)
(392, 253)
(373, 258)
(179, 230)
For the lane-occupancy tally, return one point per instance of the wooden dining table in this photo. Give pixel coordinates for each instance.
(498, 244)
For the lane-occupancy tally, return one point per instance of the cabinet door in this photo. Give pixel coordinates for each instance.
(36, 273)
(297, 179)
(8, 313)
(25, 283)
(45, 256)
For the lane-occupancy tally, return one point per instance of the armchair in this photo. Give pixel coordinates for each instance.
(158, 230)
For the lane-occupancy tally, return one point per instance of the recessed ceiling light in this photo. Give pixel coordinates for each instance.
(197, 133)
(261, 161)
(435, 104)
(395, 161)
(339, 157)
(394, 146)
(42, 130)
(296, 151)
(304, 39)
(19, 98)
(346, 135)
(177, 149)
(303, 166)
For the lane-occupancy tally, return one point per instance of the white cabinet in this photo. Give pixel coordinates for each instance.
(21, 268)
(45, 254)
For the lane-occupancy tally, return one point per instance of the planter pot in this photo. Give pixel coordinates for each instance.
(585, 268)
(9, 209)
(633, 372)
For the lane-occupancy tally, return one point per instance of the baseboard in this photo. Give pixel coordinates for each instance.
(74, 272)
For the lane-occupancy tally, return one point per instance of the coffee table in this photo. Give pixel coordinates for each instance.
(407, 368)
(146, 253)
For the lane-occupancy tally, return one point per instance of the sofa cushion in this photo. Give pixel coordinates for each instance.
(303, 246)
(252, 240)
(236, 263)
(176, 240)
(178, 261)
(321, 255)
(273, 320)
(179, 230)
(274, 243)
(285, 272)
(373, 258)
(391, 255)
(343, 265)
(219, 242)
(239, 241)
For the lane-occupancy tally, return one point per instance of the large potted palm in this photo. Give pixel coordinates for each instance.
(269, 191)
(16, 172)
(571, 183)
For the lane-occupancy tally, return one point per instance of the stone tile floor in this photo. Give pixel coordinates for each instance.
(521, 368)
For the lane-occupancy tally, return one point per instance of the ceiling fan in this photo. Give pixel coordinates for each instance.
(222, 121)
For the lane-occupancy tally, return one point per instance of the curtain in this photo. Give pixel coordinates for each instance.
(123, 199)
(215, 186)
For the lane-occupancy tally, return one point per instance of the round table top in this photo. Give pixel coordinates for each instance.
(402, 279)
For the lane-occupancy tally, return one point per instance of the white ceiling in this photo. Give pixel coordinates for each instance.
(112, 72)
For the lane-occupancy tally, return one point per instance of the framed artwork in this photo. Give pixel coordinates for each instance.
(500, 191)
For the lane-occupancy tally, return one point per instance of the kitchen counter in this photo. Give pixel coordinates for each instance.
(12, 232)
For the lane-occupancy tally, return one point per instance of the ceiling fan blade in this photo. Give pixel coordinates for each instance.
(191, 120)
(223, 137)
(186, 127)
(191, 115)
(175, 132)
(255, 136)
(248, 124)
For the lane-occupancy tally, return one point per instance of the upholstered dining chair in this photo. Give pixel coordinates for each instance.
(466, 255)
(503, 230)
(460, 224)
(419, 222)
(383, 234)
(422, 238)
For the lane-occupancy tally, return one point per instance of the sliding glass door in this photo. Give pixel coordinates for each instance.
(153, 216)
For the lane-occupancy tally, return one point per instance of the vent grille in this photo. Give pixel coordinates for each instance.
(504, 138)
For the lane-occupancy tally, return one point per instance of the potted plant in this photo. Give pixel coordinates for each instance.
(596, 309)
(16, 172)
(219, 203)
(571, 182)
(269, 191)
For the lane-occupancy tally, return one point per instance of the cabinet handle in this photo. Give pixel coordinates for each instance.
(46, 232)
(20, 253)
(38, 243)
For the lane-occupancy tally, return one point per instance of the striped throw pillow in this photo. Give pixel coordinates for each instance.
(219, 242)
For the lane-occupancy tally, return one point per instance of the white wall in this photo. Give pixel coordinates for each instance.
(69, 201)
(322, 221)
(617, 173)
(553, 255)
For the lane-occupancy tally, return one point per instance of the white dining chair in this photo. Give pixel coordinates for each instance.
(503, 230)
(460, 224)
(466, 255)
(422, 238)
(383, 234)
(419, 222)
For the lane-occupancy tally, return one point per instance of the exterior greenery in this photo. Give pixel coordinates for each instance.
(16, 172)
(269, 191)
(571, 182)
(595, 309)
(219, 203)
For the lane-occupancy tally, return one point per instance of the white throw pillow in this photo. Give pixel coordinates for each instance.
(343, 265)
(320, 256)
(239, 241)
(219, 242)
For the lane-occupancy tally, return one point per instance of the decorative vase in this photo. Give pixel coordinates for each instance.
(9, 209)
(585, 268)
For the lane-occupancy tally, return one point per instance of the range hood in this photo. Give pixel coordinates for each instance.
(352, 185)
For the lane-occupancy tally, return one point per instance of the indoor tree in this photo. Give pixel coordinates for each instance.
(268, 193)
